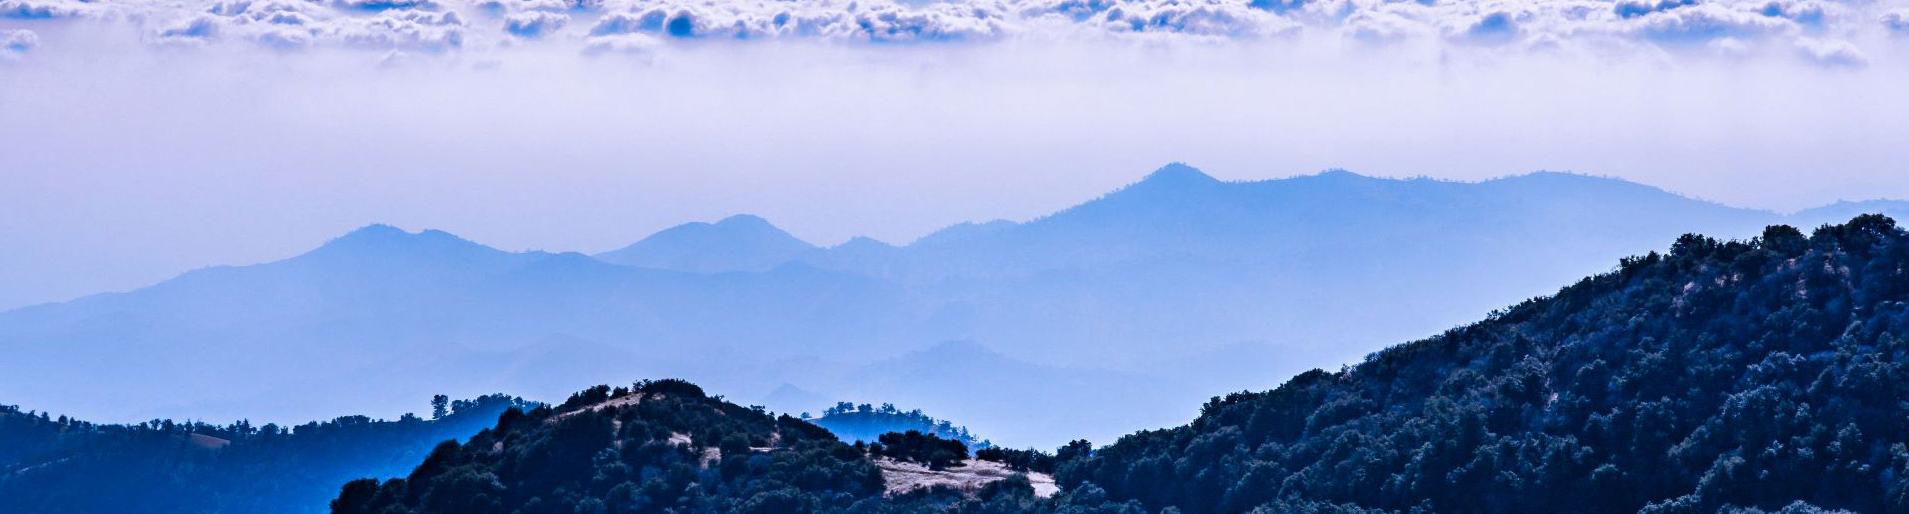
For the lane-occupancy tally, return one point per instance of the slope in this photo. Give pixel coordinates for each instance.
(1759, 373)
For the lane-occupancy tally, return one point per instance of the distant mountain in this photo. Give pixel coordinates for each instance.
(737, 243)
(1749, 376)
(60, 465)
(1139, 292)
(382, 313)
(1839, 212)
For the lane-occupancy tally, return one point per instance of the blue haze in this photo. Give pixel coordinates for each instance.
(1121, 313)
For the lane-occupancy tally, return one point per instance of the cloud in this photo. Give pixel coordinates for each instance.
(1655, 29)
(196, 30)
(1896, 21)
(1833, 53)
(388, 5)
(1702, 23)
(14, 43)
(624, 43)
(854, 21)
(1197, 18)
(404, 29)
(1496, 28)
(40, 9)
(534, 24)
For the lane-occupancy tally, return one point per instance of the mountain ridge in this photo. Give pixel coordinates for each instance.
(1291, 272)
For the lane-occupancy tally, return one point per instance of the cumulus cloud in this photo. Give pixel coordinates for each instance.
(1816, 30)
(1897, 22)
(1495, 28)
(1834, 53)
(1194, 18)
(534, 24)
(854, 21)
(196, 30)
(14, 43)
(41, 9)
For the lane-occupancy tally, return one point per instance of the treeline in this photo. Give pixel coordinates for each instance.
(865, 422)
(61, 465)
(925, 449)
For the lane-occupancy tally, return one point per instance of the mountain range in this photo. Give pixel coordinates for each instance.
(1102, 318)
(1756, 376)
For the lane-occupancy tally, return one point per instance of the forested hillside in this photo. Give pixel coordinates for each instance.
(59, 465)
(661, 446)
(1739, 377)
(1719, 375)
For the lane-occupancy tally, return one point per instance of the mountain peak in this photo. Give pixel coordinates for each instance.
(379, 240)
(864, 242)
(745, 221)
(373, 231)
(742, 242)
(379, 234)
(1340, 173)
(1178, 173)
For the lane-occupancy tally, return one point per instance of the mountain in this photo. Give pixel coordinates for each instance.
(1138, 292)
(57, 465)
(1741, 377)
(383, 313)
(737, 243)
(1844, 210)
(1763, 374)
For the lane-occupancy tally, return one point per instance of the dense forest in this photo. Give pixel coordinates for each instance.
(52, 464)
(867, 422)
(1765, 375)
(660, 446)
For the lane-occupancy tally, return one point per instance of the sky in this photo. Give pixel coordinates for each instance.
(140, 139)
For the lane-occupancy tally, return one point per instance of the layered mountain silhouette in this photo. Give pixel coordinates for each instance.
(1757, 376)
(1161, 278)
(737, 243)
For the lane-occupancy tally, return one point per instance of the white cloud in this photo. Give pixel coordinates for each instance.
(1830, 52)
(621, 43)
(534, 24)
(1654, 29)
(193, 31)
(14, 43)
(1897, 21)
(34, 9)
(1702, 23)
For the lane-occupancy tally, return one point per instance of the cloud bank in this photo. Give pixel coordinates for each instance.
(1836, 33)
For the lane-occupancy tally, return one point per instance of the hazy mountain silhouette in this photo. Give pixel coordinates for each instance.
(737, 243)
(1161, 278)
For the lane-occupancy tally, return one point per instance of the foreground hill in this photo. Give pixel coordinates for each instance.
(66, 466)
(1742, 374)
(665, 446)
(1099, 319)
